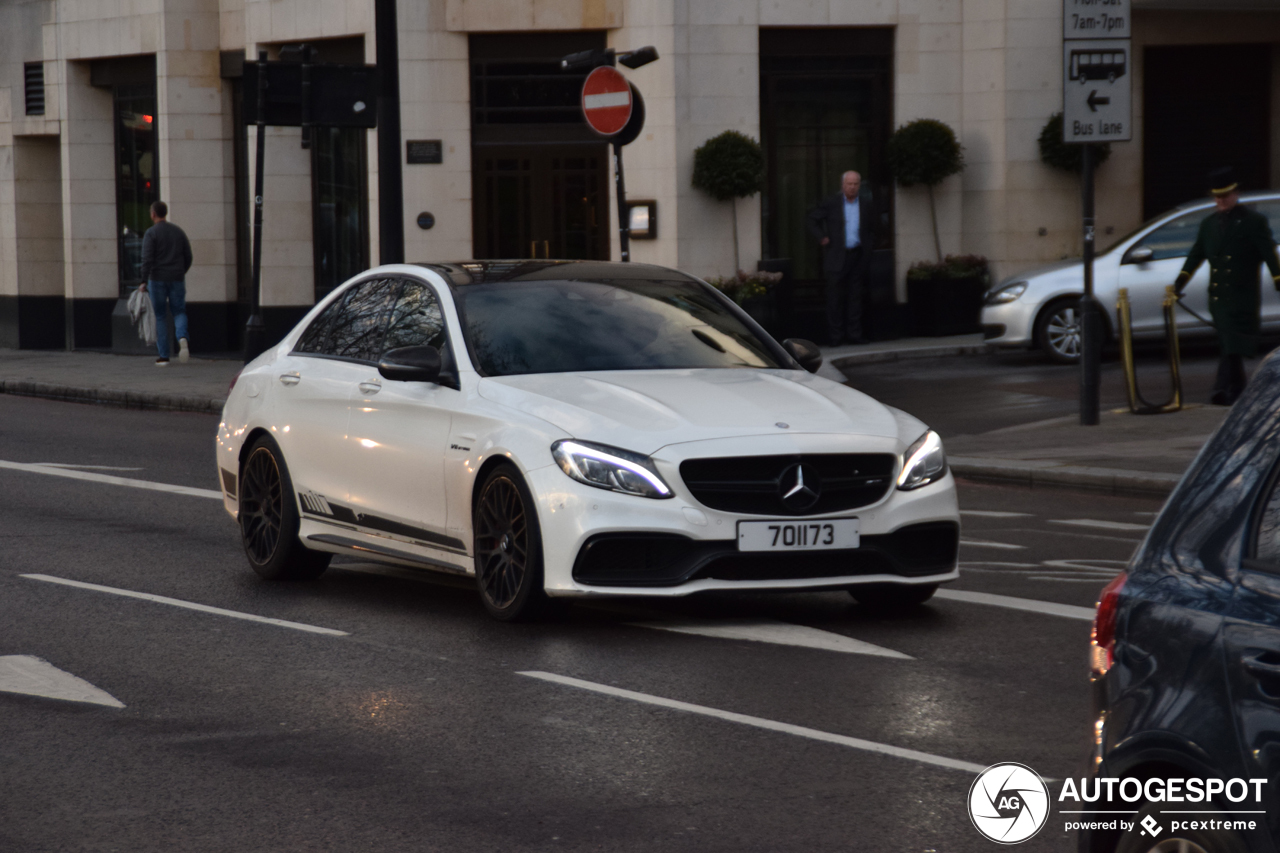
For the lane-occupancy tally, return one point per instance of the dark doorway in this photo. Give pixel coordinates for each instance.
(539, 175)
(825, 108)
(1204, 106)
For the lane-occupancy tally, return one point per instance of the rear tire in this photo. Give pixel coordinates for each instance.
(268, 518)
(893, 596)
(1057, 331)
(508, 547)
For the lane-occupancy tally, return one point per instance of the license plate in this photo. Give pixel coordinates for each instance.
(832, 534)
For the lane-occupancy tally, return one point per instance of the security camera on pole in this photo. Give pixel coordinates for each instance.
(614, 109)
(1096, 66)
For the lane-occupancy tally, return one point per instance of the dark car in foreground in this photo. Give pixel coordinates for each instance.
(1186, 652)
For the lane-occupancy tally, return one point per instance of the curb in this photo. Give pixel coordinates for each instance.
(113, 397)
(881, 356)
(1111, 480)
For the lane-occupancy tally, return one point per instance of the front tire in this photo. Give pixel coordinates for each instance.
(268, 518)
(1058, 331)
(893, 596)
(508, 547)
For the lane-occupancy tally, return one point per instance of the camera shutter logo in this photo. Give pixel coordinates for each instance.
(1008, 803)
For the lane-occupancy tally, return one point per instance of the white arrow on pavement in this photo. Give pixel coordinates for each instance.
(32, 676)
(769, 631)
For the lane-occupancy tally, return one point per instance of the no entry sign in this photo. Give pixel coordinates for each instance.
(606, 100)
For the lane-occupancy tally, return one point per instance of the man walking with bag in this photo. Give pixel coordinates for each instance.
(166, 257)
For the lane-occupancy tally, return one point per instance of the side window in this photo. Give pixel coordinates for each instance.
(1174, 239)
(352, 326)
(1266, 537)
(416, 320)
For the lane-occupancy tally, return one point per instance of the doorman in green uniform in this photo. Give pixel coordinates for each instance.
(1235, 240)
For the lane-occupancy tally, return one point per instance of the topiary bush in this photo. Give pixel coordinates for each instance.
(729, 167)
(1057, 154)
(927, 152)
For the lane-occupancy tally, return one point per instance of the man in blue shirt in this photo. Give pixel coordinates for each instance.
(844, 225)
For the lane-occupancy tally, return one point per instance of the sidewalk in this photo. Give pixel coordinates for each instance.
(1124, 453)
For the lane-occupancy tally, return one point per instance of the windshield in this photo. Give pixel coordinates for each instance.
(628, 324)
(1201, 213)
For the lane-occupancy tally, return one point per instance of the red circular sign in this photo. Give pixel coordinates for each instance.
(606, 100)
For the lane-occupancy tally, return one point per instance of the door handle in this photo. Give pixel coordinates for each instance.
(370, 387)
(290, 378)
(1263, 664)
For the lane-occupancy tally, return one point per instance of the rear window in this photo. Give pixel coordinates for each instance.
(561, 326)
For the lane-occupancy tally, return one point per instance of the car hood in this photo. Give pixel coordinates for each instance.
(644, 410)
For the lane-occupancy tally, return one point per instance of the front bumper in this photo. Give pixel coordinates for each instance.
(597, 542)
(1009, 324)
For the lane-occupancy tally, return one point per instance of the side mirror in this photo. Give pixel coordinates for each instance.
(1138, 255)
(805, 352)
(411, 364)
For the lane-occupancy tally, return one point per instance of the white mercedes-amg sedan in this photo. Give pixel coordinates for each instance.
(572, 429)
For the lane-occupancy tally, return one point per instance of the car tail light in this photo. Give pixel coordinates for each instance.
(232, 386)
(1103, 642)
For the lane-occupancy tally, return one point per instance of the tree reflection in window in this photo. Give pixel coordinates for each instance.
(1268, 536)
(353, 325)
(416, 320)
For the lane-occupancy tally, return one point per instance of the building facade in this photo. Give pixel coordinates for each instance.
(107, 105)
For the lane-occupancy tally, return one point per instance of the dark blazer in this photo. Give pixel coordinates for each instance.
(827, 220)
(1235, 244)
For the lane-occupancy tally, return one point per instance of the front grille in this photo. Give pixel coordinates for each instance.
(669, 559)
(753, 484)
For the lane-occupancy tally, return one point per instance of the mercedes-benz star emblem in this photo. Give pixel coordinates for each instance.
(800, 487)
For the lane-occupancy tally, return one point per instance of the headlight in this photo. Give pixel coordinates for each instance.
(1008, 293)
(609, 468)
(924, 462)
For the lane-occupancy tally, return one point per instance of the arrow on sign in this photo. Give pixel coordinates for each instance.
(1094, 101)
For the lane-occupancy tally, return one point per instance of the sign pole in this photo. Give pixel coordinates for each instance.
(390, 180)
(255, 329)
(624, 225)
(1090, 319)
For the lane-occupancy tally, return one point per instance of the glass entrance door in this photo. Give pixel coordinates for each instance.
(541, 201)
(137, 175)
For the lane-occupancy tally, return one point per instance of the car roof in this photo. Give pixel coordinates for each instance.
(463, 273)
(1256, 195)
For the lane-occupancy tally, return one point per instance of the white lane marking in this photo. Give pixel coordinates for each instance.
(114, 481)
(606, 99)
(1101, 525)
(770, 631)
(759, 722)
(987, 513)
(982, 543)
(176, 602)
(92, 467)
(1050, 608)
(32, 676)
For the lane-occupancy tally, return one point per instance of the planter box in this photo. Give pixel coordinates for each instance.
(946, 306)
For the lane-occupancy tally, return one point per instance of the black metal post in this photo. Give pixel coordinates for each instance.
(306, 96)
(624, 221)
(1090, 317)
(390, 190)
(254, 329)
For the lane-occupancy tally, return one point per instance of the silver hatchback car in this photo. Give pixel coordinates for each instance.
(1038, 308)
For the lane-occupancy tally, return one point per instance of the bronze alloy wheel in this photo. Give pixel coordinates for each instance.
(261, 505)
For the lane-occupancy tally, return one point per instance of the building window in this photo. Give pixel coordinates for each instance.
(33, 73)
(137, 174)
(340, 212)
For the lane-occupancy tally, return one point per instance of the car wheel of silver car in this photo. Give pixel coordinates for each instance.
(268, 518)
(1058, 331)
(508, 547)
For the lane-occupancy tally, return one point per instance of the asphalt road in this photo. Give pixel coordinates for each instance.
(422, 728)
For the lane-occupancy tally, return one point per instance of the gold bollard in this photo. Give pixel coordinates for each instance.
(1137, 404)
